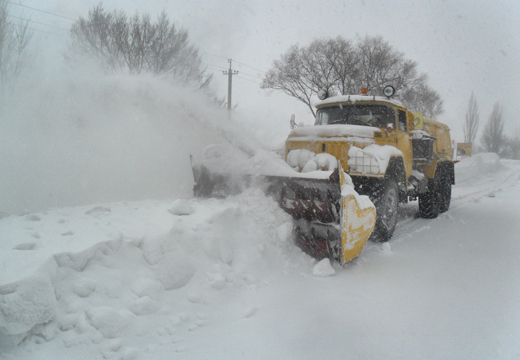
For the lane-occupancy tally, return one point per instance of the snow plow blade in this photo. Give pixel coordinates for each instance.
(330, 219)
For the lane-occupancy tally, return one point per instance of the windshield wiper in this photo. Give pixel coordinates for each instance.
(364, 122)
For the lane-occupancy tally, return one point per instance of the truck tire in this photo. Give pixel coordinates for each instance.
(444, 195)
(387, 205)
(429, 201)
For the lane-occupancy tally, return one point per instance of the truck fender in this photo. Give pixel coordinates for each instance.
(446, 169)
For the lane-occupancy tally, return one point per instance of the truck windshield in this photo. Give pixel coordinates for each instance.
(368, 115)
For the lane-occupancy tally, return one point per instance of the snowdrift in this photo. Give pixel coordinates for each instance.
(106, 288)
(479, 164)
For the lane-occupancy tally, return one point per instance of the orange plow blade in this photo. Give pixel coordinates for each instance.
(357, 223)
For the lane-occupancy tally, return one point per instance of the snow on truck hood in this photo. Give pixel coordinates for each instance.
(225, 159)
(335, 131)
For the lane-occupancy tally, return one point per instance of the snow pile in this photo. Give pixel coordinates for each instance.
(477, 165)
(309, 161)
(26, 303)
(321, 161)
(226, 159)
(116, 289)
(297, 159)
(323, 269)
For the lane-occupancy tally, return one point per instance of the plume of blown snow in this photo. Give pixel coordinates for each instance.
(81, 137)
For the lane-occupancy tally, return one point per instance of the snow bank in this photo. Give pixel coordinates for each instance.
(26, 303)
(476, 165)
(113, 288)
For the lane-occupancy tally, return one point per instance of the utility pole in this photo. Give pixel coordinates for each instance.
(230, 74)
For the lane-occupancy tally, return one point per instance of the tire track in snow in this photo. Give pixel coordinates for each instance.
(477, 189)
(497, 181)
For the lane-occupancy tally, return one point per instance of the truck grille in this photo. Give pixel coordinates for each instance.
(363, 163)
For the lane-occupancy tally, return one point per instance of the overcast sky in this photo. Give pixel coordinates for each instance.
(461, 45)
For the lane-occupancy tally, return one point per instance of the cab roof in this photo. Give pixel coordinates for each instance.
(355, 98)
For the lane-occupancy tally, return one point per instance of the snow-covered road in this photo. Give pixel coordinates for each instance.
(199, 279)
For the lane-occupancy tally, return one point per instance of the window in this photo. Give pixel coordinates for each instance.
(366, 115)
(402, 120)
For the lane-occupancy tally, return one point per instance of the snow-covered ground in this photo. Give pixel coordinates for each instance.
(220, 279)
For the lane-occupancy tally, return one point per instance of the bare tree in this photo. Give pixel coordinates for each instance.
(286, 75)
(382, 65)
(342, 68)
(344, 58)
(421, 98)
(512, 146)
(493, 139)
(137, 44)
(14, 41)
(472, 120)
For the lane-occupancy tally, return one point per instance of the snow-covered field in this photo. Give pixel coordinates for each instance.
(220, 279)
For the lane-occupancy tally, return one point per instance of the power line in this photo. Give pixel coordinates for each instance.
(37, 22)
(46, 32)
(43, 11)
(256, 82)
(241, 63)
(220, 68)
(250, 66)
(256, 77)
(216, 67)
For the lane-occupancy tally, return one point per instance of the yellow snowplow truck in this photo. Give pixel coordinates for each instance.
(371, 144)
(391, 154)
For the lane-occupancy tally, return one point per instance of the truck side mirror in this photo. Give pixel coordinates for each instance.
(418, 121)
(293, 121)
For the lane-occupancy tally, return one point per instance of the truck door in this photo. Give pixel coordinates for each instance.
(404, 142)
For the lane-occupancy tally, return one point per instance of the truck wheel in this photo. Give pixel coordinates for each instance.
(429, 201)
(444, 195)
(387, 205)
